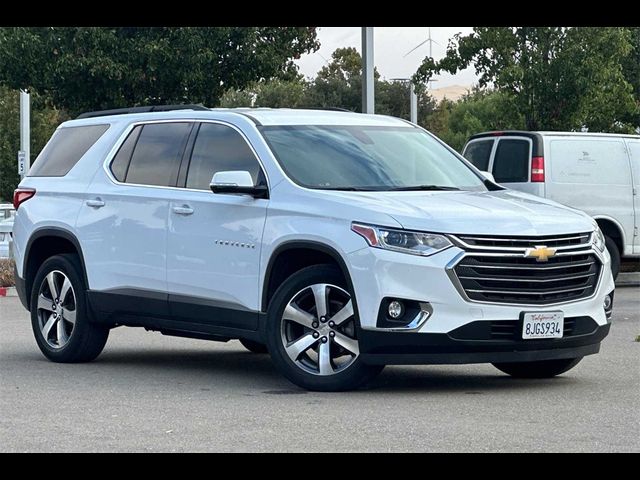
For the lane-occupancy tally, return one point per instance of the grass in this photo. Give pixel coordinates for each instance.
(6, 273)
(638, 338)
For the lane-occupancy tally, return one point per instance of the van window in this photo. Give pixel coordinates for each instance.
(66, 147)
(157, 154)
(511, 162)
(220, 148)
(589, 161)
(478, 153)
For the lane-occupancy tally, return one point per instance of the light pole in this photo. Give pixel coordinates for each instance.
(368, 103)
(413, 99)
(24, 159)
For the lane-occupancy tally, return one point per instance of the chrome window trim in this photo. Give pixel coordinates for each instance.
(449, 269)
(106, 165)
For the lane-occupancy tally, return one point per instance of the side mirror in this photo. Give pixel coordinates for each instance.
(488, 176)
(237, 182)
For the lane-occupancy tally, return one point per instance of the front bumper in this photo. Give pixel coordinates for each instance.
(378, 274)
(386, 348)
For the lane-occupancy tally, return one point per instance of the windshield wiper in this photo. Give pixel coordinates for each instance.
(349, 189)
(422, 187)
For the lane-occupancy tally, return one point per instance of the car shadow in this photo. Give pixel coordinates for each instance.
(256, 371)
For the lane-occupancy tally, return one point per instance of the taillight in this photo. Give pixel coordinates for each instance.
(21, 195)
(537, 169)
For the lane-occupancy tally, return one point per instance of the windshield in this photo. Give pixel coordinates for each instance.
(368, 158)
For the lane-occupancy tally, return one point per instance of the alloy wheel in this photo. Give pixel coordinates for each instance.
(56, 309)
(318, 330)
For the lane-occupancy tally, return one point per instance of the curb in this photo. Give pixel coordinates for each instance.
(628, 279)
(8, 292)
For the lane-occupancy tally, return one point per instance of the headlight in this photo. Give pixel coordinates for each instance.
(597, 239)
(415, 243)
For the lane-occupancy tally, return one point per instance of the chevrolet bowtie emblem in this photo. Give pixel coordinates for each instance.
(541, 253)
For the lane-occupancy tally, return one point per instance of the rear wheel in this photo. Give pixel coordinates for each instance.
(254, 347)
(312, 332)
(59, 314)
(614, 252)
(541, 369)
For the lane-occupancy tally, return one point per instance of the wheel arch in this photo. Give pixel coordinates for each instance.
(612, 228)
(271, 281)
(49, 241)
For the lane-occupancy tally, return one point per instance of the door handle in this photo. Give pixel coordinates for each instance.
(95, 203)
(183, 210)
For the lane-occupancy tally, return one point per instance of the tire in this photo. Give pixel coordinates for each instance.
(254, 347)
(327, 362)
(615, 256)
(70, 337)
(541, 369)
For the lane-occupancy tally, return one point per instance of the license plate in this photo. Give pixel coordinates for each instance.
(542, 325)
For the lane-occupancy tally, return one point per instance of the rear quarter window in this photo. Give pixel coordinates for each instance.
(65, 148)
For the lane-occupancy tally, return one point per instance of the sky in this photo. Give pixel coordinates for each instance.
(390, 46)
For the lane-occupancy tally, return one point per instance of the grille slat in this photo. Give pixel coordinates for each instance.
(514, 279)
(553, 241)
(506, 277)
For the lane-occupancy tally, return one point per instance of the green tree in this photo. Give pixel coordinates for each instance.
(338, 84)
(479, 111)
(44, 121)
(559, 78)
(279, 93)
(631, 69)
(85, 68)
(392, 98)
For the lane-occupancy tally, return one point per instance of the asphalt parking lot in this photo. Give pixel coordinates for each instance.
(147, 392)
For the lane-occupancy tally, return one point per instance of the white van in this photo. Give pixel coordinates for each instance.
(598, 173)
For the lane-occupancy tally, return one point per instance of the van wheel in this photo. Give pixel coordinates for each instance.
(615, 256)
(59, 314)
(312, 332)
(254, 347)
(541, 369)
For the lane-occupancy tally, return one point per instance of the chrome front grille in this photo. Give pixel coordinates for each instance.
(495, 269)
(561, 242)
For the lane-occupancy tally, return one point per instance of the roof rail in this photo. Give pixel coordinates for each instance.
(149, 108)
(334, 109)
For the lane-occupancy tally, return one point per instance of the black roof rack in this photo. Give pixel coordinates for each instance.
(150, 108)
(334, 109)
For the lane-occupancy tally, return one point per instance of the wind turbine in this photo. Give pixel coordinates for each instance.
(430, 41)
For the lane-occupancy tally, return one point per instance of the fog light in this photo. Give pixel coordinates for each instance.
(396, 309)
(607, 302)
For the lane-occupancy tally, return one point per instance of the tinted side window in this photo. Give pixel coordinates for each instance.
(219, 148)
(66, 147)
(478, 153)
(157, 154)
(120, 163)
(511, 163)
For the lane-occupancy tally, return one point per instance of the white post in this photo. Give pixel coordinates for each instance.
(414, 103)
(25, 133)
(367, 70)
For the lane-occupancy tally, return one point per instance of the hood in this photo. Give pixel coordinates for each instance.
(504, 212)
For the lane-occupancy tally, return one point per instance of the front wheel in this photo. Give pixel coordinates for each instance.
(312, 332)
(541, 369)
(614, 253)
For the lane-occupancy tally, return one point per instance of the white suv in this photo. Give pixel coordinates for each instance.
(338, 242)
